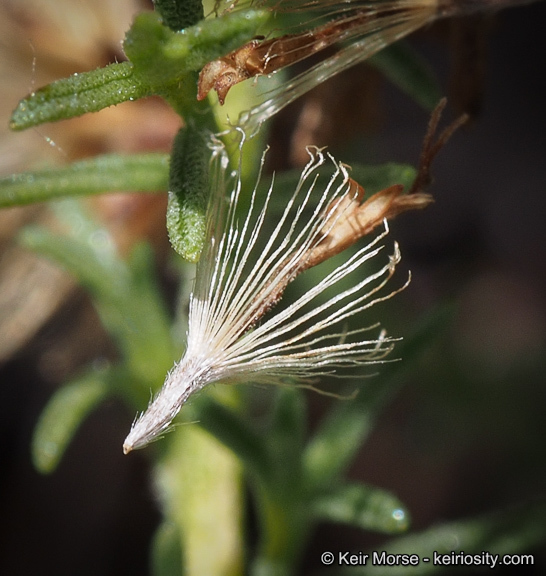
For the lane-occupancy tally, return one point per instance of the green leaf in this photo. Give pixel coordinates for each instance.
(160, 62)
(136, 173)
(152, 352)
(91, 264)
(78, 94)
(510, 531)
(363, 506)
(188, 192)
(408, 71)
(62, 416)
(343, 431)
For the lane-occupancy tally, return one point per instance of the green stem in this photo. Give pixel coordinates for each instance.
(230, 428)
(282, 499)
(160, 63)
(285, 524)
(199, 486)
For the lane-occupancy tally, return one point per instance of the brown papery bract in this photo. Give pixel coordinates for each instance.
(268, 55)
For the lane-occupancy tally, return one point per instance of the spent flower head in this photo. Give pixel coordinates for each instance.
(334, 34)
(360, 28)
(235, 333)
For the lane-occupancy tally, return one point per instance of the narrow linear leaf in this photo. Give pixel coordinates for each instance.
(108, 284)
(363, 506)
(78, 94)
(510, 531)
(407, 70)
(339, 437)
(152, 350)
(62, 416)
(84, 261)
(188, 192)
(108, 173)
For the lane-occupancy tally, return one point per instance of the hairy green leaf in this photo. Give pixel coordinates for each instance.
(162, 56)
(78, 94)
(188, 193)
(160, 62)
(109, 173)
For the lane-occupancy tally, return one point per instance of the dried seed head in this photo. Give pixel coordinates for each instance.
(234, 335)
(369, 24)
(245, 269)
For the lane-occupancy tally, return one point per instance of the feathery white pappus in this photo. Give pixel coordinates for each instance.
(234, 334)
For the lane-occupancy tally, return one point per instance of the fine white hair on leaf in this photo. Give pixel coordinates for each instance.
(235, 332)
